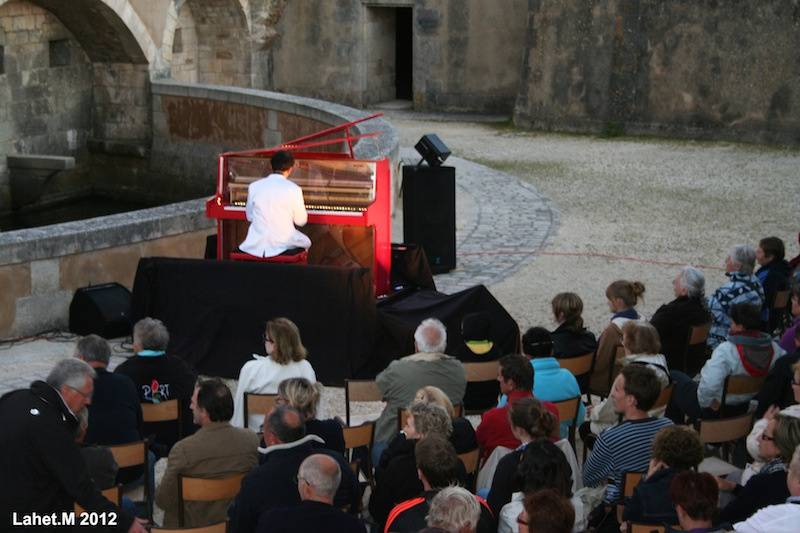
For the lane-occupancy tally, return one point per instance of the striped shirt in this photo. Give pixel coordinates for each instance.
(626, 447)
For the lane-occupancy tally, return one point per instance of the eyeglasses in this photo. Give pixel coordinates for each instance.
(87, 396)
(764, 436)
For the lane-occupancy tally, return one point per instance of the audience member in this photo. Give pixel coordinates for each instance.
(551, 382)
(479, 346)
(676, 449)
(438, 467)
(545, 511)
(622, 298)
(747, 352)
(396, 478)
(570, 338)
(99, 459)
(774, 275)
(318, 479)
(305, 396)
(286, 358)
(768, 487)
(159, 377)
(530, 422)
(453, 510)
(543, 466)
(674, 319)
(788, 337)
(742, 287)
(695, 497)
(273, 484)
(782, 517)
(779, 387)
(516, 381)
(463, 435)
(216, 450)
(642, 347)
(401, 380)
(43, 471)
(626, 447)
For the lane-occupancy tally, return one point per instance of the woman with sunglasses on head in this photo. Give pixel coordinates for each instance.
(286, 358)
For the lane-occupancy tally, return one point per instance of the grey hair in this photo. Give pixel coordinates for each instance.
(693, 281)
(430, 419)
(744, 256)
(431, 336)
(70, 372)
(94, 348)
(83, 418)
(325, 478)
(794, 464)
(151, 334)
(454, 509)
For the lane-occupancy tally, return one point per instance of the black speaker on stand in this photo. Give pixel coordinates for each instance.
(429, 213)
(102, 309)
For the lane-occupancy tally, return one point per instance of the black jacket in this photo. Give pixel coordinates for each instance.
(328, 430)
(409, 516)
(761, 490)
(673, 320)
(570, 343)
(273, 484)
(776, 279)
(505, 481)
(115, 414)
(308, 516)
(777, 388)
(650, 503)
(41, 467)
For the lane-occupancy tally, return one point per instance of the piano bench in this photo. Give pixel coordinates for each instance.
(300, 258)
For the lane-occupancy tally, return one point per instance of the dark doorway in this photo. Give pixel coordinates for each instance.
(404, 53)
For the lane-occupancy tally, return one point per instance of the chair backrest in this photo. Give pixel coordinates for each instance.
(222, 527)
(360, 390)
(740, 385)
(132, 454)
(193, 489)
(568, 409)
(699, 334)
(781, 300)
(257, 403)
(357, 436)
(113, 494)
(470, 460)
(663, 398)
(161, 411)
(579, 365)
(629, 482)
(715, 431)
(483, 371)
(645, 528)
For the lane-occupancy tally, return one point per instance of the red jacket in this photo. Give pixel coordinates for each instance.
(495, 428)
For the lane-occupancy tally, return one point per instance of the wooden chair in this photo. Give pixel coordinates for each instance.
(167, 411)
(135, 454)
(739, 385)
(779, 316)
(580, 366)
(193, 489)
(645, 528)
(663, 398)
(629, 482)
(481, 373)
(257, 403)
(471, 462)
(696, 352)
(725, 431)
(356, 437)
(113, 494)
(568, 410)
(360, 390)
(222, 527)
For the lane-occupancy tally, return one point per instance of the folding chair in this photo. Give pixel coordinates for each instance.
(112, 494)
(257, 403)
(356, 437)
(580, 366)
(629, 482)
(471, 462)
(696, 353)
(568, 410)
(739, 385)
(194, 489)
(725, 431)
(167, 411)
(360, 390)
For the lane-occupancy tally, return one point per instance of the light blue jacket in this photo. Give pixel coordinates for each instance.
(551, 383)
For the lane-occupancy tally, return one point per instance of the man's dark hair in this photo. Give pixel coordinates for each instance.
(519, 369)
(94, 348)
(746, 315)
(696, 492)
(438, 461)
(537, 342)
(281, 161)
(642, 383)
(215, 397)
(773, 247)
(544, 466)
(286, 423)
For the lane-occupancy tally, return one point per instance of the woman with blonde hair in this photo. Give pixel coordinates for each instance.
(463, 436)
(286, 358)
(305, 396)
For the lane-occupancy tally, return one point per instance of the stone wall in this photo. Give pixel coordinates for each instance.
(721, 69)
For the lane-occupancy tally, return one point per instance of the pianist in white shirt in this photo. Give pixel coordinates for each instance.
(274, 207)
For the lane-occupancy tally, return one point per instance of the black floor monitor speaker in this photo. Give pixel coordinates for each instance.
(101, 309)
(429, 213)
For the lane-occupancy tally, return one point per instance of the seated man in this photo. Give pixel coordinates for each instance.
(273, 484)
(743, 287)
(515, 376)
(159, 377)
(747, 352)
(626, 447)
(453, 509)
(400, 381)
(274, 206)
(438, 467)
(317, 481)
(216, 450)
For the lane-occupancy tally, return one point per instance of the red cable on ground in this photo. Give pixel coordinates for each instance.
(593, 254)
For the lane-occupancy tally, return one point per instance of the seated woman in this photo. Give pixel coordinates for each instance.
(676, 449)
(396, 477)
(695, 497)
(768, 487)
(286, 358)
(543, 466)
(622, 297)
(570, 338)
(673, 320)
(463, 437)
(305, 396)
(774, 275)
(640, 340)
(530, 422)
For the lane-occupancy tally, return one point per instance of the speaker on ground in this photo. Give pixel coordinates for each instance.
(101, 309)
